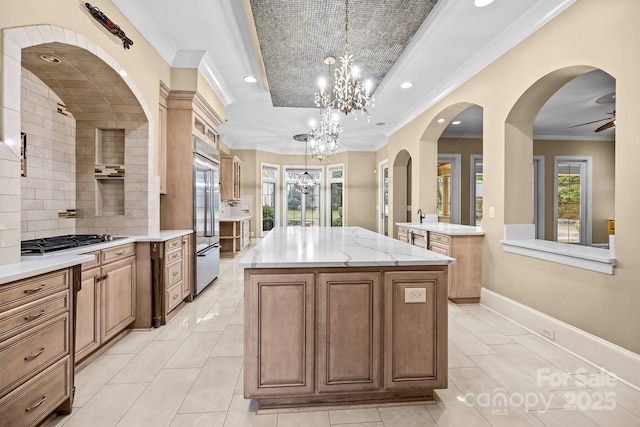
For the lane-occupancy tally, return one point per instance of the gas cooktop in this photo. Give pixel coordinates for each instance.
(57, 243)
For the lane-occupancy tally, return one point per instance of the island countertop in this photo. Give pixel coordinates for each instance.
(444, 228)
(295, 247)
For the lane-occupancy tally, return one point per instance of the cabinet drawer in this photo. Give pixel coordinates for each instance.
(439, 249)
(20, 318)
(19, 293)
(36, 399)
(439, 238)
(173, 273)
(174, 255)
(91, 264)
(26, 354)
(118, 252)
(173, 244)
(174, 296)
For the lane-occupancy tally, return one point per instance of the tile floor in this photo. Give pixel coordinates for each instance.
(189, 373)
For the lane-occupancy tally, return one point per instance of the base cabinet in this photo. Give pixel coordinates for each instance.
(372, 343)
(465, 278)
(106, 302)
(36, 341)
(235, 236)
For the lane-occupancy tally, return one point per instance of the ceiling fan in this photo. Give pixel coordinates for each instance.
(611, 123)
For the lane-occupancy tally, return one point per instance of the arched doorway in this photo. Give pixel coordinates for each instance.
(401, 184)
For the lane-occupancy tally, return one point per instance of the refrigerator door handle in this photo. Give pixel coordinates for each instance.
(207, 203)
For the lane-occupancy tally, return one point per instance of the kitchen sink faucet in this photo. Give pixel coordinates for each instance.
(420, 215)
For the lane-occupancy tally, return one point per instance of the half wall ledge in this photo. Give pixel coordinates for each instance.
(520, 239)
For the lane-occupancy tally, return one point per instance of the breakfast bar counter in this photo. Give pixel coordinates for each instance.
(343, 316)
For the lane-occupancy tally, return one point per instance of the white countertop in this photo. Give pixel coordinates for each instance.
(445, 228)
(235, 218)
(295, 247)
(32, 265)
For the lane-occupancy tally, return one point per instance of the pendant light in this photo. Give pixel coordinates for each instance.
(305, 183)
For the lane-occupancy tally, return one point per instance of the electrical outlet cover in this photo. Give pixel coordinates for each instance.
(415, 295)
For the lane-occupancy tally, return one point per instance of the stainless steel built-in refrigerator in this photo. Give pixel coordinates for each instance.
(206, 208)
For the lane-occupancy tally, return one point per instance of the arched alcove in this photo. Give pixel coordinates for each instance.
(572, 170)
(98, 94)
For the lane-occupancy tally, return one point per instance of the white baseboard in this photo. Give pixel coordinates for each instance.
(603, 354)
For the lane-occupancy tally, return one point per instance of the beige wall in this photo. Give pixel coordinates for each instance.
(360, 183)
(603, 305)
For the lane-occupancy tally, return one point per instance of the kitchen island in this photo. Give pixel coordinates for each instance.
(343, 316)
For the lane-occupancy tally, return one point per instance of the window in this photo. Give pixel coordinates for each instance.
(335, 186)
(572, 198)
(448, 203)
(302, 209)
(269, 196)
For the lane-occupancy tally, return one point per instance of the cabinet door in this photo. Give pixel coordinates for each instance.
(118, 305)
(348, 331)
(415, 328)
(279, 344)
(88, 314)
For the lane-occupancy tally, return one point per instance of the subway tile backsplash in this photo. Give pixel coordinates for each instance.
(49, 186)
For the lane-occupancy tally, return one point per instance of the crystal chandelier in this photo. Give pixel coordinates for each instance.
(305, 183)
(350, 92)
(323, 140)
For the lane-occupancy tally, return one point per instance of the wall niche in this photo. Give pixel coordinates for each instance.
(109, 172)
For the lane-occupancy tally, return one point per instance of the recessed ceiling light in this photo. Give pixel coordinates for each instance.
(440, 120)
(457, 122)
(250, 79)
(50, 58)
(406, 85)
(123, 73)
(482, 3)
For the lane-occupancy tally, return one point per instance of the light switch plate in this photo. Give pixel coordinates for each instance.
(415, 295)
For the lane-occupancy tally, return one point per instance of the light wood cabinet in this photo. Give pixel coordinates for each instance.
(465, 276)
(106, 302)
(165, 279)
(348, 332)
(188, 115)
(344, 336)
(235, 236)
(279, 340)
(415, 331)
(403, 234)
(230, 171)
(36, 327)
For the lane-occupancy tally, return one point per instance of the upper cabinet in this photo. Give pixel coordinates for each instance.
(230, 167)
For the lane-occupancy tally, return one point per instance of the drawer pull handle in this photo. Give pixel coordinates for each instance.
(34, 355)
(175, 273)
(175, 296)
(34, 316)
(34, 290)
(120, 253)
(35, 405)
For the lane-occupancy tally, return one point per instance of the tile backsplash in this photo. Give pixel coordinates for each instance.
(49, 187)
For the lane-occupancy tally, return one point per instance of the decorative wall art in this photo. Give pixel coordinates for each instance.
(109, 25)
(23, 154)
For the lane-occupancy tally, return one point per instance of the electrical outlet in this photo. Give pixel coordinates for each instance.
(549, 333)
(415, 295)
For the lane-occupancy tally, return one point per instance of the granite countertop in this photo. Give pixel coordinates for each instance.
(445, 228)
(235, 218)
(32, 265)
(295, 247)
